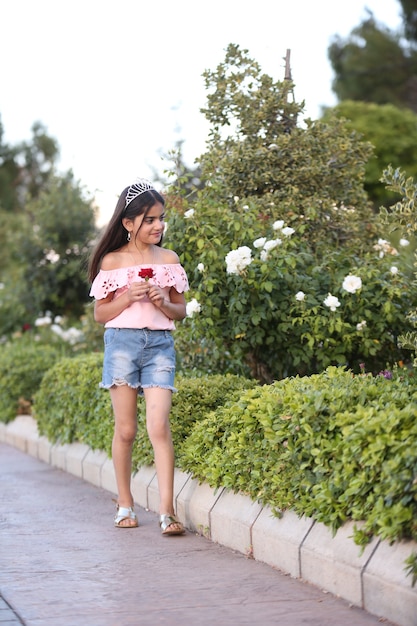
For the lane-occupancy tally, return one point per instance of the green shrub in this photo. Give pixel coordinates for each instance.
(23, 363)
(70, 405)
(331, 446)
(195, 398)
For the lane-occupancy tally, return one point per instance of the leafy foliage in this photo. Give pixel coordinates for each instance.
(332, 446)
(373, 65)
(69, 405)
(195, 398)
(300, 191)
(25, 167)
(49, 251)
(23, 363)
(393, 133)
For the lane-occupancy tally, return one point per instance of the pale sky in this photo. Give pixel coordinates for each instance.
(118, 83)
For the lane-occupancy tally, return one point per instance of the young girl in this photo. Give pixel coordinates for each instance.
(138, 288)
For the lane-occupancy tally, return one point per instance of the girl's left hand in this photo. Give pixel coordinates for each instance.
(156, 296)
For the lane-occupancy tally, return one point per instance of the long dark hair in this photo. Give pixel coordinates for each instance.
(114, 237)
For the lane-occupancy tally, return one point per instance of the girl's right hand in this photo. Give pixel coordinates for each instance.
(137, 291)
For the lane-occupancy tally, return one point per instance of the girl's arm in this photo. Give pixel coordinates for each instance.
(108, 308)
(174, 308)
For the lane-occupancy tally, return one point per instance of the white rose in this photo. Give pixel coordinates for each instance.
(192, 307)
(259, 243)
(352, 283)
(237, 260)
(332, 302)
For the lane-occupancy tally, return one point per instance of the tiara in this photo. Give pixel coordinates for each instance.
(140, 185)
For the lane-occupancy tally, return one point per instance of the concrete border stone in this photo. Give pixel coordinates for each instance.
(334, 562)
(92, 464)
(277, 540)
(140, 484)
(59, 455)
(387, 588)
(75, 457)
(107, 477)
(231, 521)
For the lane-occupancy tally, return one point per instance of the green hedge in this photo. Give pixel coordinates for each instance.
(331, 446)
(22, 366)
(69, 405)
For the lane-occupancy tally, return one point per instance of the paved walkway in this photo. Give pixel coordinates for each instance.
(63, 564)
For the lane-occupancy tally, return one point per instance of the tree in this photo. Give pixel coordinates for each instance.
(392, 131)
(49, 252)
(257, 151)
(373, 65)
(409, 12)
(25, 167)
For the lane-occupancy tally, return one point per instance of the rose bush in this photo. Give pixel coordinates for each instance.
(290, 271)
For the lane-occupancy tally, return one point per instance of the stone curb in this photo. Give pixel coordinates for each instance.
(374, 579)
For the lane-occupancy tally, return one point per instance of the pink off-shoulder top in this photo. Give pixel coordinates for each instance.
(141, 314)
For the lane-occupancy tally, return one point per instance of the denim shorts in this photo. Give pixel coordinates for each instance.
(139, 358)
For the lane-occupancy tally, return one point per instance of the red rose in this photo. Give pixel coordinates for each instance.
(146, 273)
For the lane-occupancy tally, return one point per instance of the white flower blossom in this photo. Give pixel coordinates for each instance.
(259, 243)
(393, 270)
(271, 244)
(288, 231)
(352, 283)
(43, 321)
(300, 296)
(236, 199)
(361, 325)
(71, 335)
(278, 225)
(332, 302)
(384, 247)
(237, 260)
(189, 213)
(58, 319)
(1, 285)
(51, 256)
(192, 307)
(201, 267)
(264, 255)
(404, 242)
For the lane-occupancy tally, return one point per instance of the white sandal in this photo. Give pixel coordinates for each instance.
(167, 521)
(123, 513)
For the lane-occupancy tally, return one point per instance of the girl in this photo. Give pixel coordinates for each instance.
(139, 288)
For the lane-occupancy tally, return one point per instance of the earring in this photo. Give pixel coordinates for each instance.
(128, 235)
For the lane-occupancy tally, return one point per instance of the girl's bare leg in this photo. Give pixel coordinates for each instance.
(124, 401)
(158, 406)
